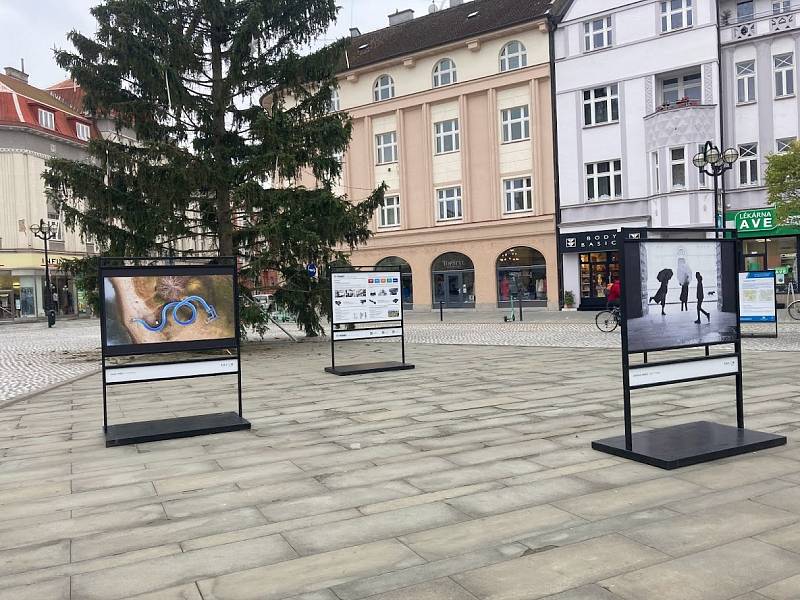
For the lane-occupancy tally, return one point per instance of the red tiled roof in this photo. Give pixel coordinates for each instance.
(69, 92)
(20, 104)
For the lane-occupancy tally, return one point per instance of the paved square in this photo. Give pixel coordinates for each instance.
(468, 478)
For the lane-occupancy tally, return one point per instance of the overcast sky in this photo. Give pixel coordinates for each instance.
(31, 30)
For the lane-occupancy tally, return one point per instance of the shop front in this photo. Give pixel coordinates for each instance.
(453, 276)
(521, 273)
(406, 278)
(766, 246)
(23, 288)
(595, 255)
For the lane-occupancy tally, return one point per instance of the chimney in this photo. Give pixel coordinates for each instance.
(355, 32)
(18, 74)
(454, 3)
(401, 16)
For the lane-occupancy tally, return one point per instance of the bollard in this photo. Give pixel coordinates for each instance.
(51, 318)
(520, 309)
(441, 310)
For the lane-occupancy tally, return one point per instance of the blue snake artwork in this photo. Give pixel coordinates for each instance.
(187, 302)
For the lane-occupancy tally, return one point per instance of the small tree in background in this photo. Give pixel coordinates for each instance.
(186, 77)
(783, 183)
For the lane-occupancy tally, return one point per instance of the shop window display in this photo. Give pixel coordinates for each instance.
(522, 269)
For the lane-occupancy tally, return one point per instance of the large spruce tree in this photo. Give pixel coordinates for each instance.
(186, 77)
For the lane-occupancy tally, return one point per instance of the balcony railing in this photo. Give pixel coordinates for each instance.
(759, 24)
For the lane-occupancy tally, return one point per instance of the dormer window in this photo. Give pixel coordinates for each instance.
(444, 73)
(47, 119)
(383, 88)
(513, 56)
(83, 131)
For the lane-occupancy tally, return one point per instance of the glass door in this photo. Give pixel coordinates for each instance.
(454, 296)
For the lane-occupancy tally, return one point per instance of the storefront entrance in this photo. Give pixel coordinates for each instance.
(777, 254)
(597, 271)
(453, 281)
(406, 278)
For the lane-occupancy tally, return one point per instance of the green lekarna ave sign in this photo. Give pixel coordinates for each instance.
(760, 222)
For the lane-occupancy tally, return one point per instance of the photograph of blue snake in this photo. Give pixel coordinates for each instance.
(169, 308)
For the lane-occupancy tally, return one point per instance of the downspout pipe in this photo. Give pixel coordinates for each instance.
(552, 23)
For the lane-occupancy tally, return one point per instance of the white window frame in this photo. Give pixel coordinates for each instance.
(517, 188)
(47, 119)
(746, 82)
(702, 180)
(83, 131)
(601, 27)
(390, 212)
(681, 87)
(593, 175)
(449, 196)
(446, 133)
(748, 16)
(445, 73)
(655, 173)
(57, 227)
(519, 56)
(684, 11)
(782, 6)
(679, 163)
(611, 101)
(509, 120)
(784, 144)
(335, 104)
(749, 170)
(783, 68)
(383, 88)
(386, 148)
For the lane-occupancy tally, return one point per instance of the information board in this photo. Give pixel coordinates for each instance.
(366, 297)
(757, 297)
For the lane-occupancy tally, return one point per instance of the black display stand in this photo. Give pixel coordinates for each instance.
(690, 443)
(179, 427)
(364, 330)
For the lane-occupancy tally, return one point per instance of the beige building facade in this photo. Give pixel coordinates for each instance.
(452, 111)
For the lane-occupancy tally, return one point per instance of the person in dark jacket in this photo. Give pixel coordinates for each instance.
(685, 295)
(660, 297)
(700, 297)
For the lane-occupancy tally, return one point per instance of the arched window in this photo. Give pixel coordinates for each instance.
(383, 88)
(335, 105)
(513, 56)
(407, 283)
(444, 73)
(521, 273)
(453, 281)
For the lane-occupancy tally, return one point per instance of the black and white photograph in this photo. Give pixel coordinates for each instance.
(680, 294)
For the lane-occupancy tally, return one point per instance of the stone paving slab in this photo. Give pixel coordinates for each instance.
(469, 478)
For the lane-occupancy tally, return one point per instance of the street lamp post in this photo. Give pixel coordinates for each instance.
(46, 231)
(714, 163)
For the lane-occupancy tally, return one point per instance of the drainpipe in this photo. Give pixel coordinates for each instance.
(552, 24)
(720, 102)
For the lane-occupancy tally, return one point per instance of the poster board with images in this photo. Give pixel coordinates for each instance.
(366, 297)
(757, 299)
(168, 308)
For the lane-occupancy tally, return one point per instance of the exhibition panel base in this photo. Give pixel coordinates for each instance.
(363, 369)
(168, 429)
(688, 444)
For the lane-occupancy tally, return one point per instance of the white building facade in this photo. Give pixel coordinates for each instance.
(759, 49)
(637, 94)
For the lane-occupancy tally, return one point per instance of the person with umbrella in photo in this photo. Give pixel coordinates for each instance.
(660, 297)
(700, 298)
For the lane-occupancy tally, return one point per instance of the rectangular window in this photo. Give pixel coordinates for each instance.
(748, 164)
(746, 81)
(687, 87)
(447, 136)
(784, 74)
(601, 105)
(83, 131)
(47, 119)
(702, 182)
(655, 172)
(597, 34)
(604, 180)
(744, 10)
(783, 6)
(390, 211)
(784, 144)
(449, 203)
(518, 194)
(387, 147)
(675, 14)
(677, 163)
(516, 124)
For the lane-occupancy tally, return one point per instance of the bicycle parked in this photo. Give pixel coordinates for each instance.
(609, 319)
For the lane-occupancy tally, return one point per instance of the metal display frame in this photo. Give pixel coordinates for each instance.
(756, 334)
(180, 427)
(690, 443)
(365, 368)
